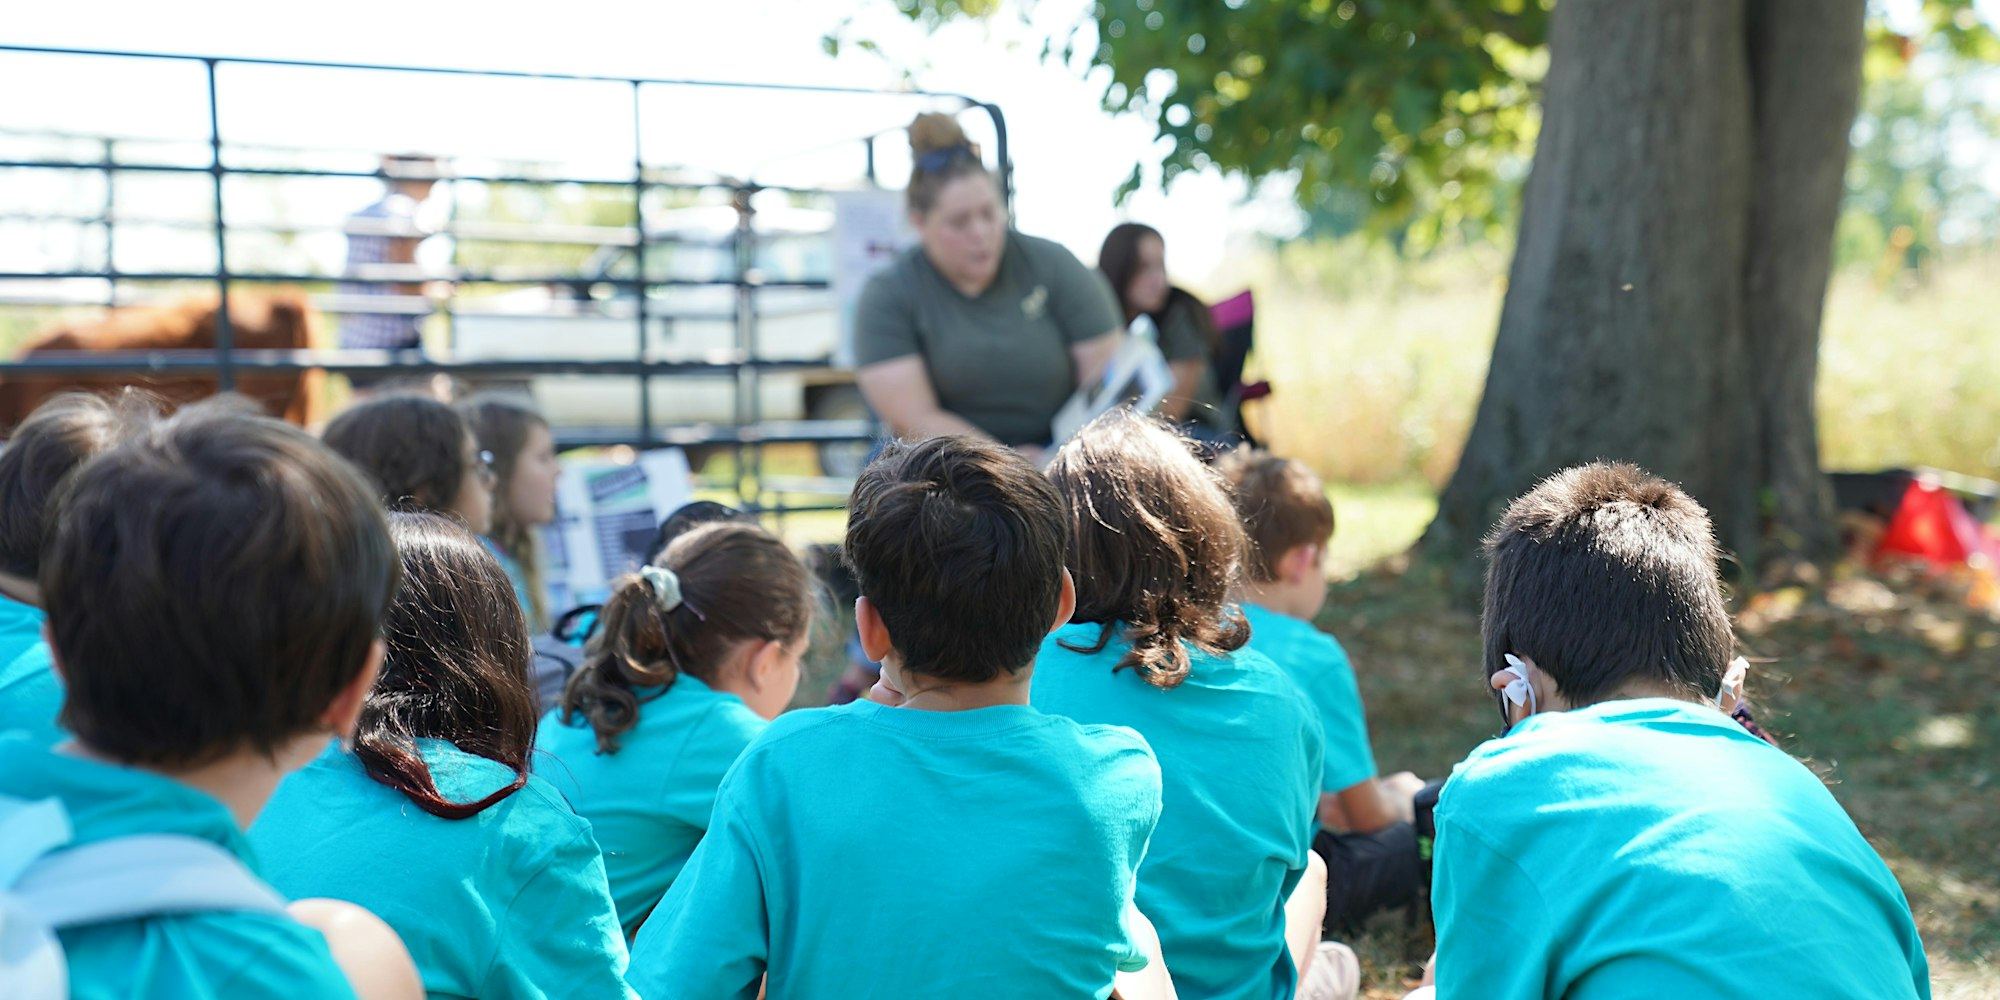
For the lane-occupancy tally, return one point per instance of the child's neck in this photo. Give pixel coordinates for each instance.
(934, 695)
(1278, 597)
(21, 589)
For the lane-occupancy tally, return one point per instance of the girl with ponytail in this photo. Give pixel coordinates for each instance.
(693, 655)
(431, 818)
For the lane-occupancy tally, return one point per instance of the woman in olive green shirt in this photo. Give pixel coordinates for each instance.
(980, 329)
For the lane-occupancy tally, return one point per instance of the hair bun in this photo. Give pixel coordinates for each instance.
(932, 131)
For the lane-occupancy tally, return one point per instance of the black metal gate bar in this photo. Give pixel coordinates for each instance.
(226, 359)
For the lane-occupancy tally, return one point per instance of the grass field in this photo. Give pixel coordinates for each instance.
(1383, 361)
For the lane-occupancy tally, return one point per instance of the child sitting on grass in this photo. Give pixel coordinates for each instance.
(215, 589)
(960, 844)
(1231, 881)
(432, 819)
(697, 651)
(35, 463)
(1364, 832)
(1625, 837)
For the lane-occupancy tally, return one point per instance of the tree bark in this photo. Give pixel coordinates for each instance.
(1663, 305)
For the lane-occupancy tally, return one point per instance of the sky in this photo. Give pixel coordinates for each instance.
(1069, 155)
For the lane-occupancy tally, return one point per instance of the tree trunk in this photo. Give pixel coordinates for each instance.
(1664, 302)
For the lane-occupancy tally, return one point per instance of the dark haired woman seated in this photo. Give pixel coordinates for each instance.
(432, 820)
(1134, 260)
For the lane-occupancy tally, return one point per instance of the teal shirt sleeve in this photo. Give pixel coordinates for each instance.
(1492, 922)
(710, 936)
(560, 936)
(31, 696)
(1349, 758)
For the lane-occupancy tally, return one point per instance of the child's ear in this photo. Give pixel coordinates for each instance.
(1301, 563)
(344, 712)
(874, 634)
(762, 670)
(1066, 605)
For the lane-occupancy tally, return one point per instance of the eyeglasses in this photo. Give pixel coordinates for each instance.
(487, 476)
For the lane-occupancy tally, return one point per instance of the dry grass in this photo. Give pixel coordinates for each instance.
(1377, 364)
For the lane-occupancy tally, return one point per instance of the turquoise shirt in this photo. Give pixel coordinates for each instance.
(196, 956)
(516, 576)
(648, 803)
(1240, 751)
(864, 851)
(1316, 663)
(1653, 848)
(31, 695)
(20, 627)
(510, 902)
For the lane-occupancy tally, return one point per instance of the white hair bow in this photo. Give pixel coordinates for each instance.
(1518, 690)
(665, 585)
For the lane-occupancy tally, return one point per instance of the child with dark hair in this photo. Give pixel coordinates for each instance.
(1156, 549)
(35, 464)
(694, 654)
(525, 470)
(992, 847)
(1625, 837)
(1365, 833)
(214, 589)
(421, 454)
(432, 819)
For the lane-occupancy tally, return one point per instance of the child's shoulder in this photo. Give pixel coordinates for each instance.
(1295, 636)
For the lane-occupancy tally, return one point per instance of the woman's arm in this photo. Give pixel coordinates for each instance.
(899, 390)
(1091, 357)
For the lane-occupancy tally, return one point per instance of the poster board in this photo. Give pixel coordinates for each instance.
(870, 227)
(607, 514)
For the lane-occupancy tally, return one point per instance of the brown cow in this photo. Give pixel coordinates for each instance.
(278, 320)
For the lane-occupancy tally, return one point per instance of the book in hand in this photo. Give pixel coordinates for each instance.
(1137, 376)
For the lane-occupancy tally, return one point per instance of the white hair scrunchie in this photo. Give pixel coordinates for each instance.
(665, 585)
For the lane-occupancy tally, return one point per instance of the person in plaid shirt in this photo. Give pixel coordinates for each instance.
(381, 239)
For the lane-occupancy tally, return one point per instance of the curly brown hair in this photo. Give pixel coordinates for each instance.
(1155, 546)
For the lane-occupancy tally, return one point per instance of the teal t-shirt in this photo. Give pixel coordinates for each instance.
(196, 956)
(649, 803)
(510, 902)
(31, 695)
(1240, 752)
(516, 576)
(20, 627)
(1316, 662)
(865, 851)
(1651, 847)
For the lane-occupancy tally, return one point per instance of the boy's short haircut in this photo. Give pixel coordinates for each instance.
(1283, 506)
(411, 446)
(1604, 573)
(211, 585)
(55, 441)
(958, 542)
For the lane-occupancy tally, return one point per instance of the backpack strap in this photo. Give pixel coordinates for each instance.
(143, 875)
